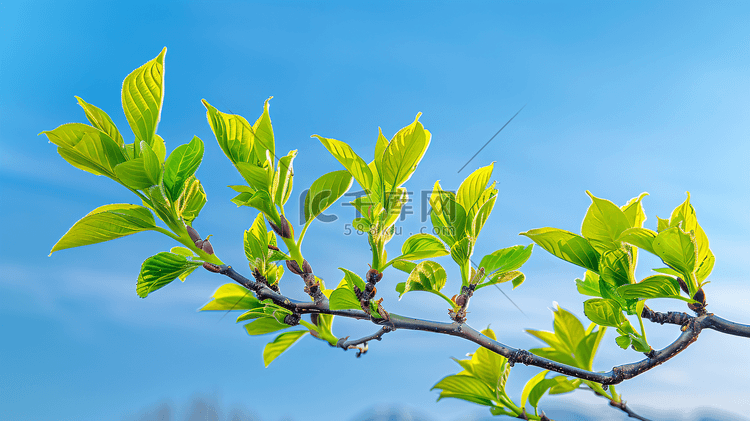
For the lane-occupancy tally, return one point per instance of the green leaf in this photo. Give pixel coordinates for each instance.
(422, 246)
(181, 164)
(343, 298)
(353, 279)
(161, 269)
(403, 153)
(470, 191)
(447, 215)
(542, 387)
(604, 312)
(101, 121)
(481, 216)
(507, 259)
(263, 130)
(325, 191)
(151, 164)
(258, 177)
(567, 246)
(191, 200)
(106, 223)
(568, 328)
(142, 97)
(133, 174)
(656, 286)
(235, 135)
(623, 341)
(426, 276)
(461, 251)
(614, 267)
(459, 385)
(661, 224)
(355, 165)
(589, 285)
(676, 249)
(640, 237)
(256, 243)
(404, 266)
(514, 276)
(260, 200)
(684, 217)
(530, 385)
(603, 224)
(232, 297)
(283, 179)
(280, 344)
(705, 268)
(633, 211)
(87, 148)
(263, 325)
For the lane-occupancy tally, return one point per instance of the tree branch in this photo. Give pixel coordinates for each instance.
(711, 321)
(691, 328)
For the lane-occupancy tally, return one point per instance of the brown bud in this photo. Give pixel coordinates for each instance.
(272, 247)
(207, 247)
(284, 229)
(700, 297)
(199, 244)
(193, 234)
(460, 300)
(293, 267)
(683, 285)
(306, 268)
(314, 318)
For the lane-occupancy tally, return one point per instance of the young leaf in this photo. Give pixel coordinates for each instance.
(133, 174)
(142, 97)
(481, 216)
(343, 298)
(567, 246)
(471, 189)
(467, 388)
(263, 325)
(589, 285)
(263, 131)
(404, 266)
(422, 246)
(684, 217)
(151, 164)
(529, 386)
(426, 276)
(514, 276)
(614, 267)
(633, 211)
(676, 249)
(256, 243)
(603, 224)
(507, 259)
(232, 297)
(106, 223)
(87, 148)
(161, 269)
(101, 121)
(281, 187)
(642, 238)
(403, 153)
(258, 177)
(280, 344)
(234, 134)
(355, 165)
(325, 191)
(191, 200)
(604, 312)
(181, 164)
(656, 286)
(447, 215)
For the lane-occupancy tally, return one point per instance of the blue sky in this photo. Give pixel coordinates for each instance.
(621, 98)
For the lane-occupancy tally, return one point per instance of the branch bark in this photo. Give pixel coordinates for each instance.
(691, 328)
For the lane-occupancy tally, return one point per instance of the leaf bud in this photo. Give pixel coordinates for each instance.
(193, 234)
(683, 285)
(460, 300)
(293, 267)
(207, 247)
(306, 268)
